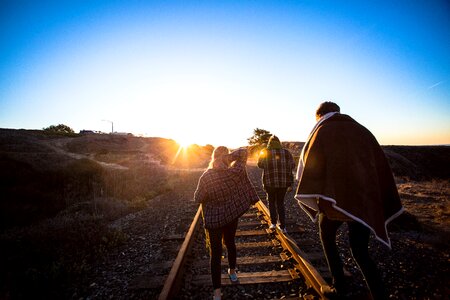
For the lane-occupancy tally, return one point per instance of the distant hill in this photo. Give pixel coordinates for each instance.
(41, 174)
(412, 162)
(419, 162)
(43, 151)
(46, 151)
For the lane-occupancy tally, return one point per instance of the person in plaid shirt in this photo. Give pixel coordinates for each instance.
(278, 166)
(225, 193)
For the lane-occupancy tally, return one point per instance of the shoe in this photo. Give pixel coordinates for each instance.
(219, 297)
(233, 277)
(272, 226)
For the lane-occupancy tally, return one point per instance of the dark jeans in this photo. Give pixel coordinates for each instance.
(359, 242)
(275, 197)
(228, 233)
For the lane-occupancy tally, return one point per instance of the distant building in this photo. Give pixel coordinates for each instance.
(122, 133)
(85, 132)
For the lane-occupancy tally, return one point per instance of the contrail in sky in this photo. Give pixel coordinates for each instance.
(436, 84)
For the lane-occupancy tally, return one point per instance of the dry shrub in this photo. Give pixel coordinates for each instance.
(106, 208)
(27, 194)
(30, 195)
(140, 181)
(419, 162)
(99, 142)
(51, 257)
(41, 261)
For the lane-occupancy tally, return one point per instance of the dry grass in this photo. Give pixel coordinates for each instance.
(45, 258)
(51, 256)
(429, 201)
(56, 209)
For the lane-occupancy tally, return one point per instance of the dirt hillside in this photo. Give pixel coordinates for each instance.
(62, 195)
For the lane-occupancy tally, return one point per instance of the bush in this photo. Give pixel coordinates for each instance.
(30, 195)
(60, 129)
(43, 261)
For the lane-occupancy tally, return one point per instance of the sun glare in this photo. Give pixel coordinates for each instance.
(183, 145)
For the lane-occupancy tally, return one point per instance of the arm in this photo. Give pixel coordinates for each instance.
(239, 157)
(201, 194)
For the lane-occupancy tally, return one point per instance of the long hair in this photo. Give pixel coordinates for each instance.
(219, 158)
(274, 143)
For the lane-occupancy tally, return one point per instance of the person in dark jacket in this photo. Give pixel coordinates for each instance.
(225, 193)
(344, 176)
(278, 166)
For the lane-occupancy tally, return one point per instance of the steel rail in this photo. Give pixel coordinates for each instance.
(311, 275)
(171, 285)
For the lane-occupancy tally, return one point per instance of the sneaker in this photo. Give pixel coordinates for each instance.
(233, 277)
(272, 226)
(217, 297)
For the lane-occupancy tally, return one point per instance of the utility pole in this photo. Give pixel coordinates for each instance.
(112, 125)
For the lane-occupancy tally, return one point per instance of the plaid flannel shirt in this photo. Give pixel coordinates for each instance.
(225, 194)
(278, 166)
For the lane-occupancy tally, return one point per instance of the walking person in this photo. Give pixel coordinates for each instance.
(278, 166)
(344, 176)
(225, 193)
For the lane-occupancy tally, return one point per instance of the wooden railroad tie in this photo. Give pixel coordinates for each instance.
(248, 278)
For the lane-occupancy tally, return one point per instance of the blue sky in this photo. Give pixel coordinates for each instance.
(212, 71)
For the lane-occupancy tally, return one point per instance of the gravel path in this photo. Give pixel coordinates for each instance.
(417, 267)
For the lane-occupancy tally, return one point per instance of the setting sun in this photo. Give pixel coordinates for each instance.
(184, 143)
(183, 146)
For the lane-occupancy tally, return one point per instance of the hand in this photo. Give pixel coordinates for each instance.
(289, 189)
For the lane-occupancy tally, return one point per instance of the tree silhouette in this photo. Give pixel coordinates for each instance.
(258, 140)
(260, 137)
(59, 129)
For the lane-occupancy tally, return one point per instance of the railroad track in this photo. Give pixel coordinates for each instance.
(266, 258)
(271, 265)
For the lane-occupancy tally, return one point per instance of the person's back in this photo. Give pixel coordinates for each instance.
(350, 167)
(344, 176)
(225, 193)
(278, 166)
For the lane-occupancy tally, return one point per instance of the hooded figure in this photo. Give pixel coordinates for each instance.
(344, 176)
(278, 167)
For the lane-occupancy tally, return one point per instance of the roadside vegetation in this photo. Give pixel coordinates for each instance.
(61, 191)
(56, 210)
(60, 129)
